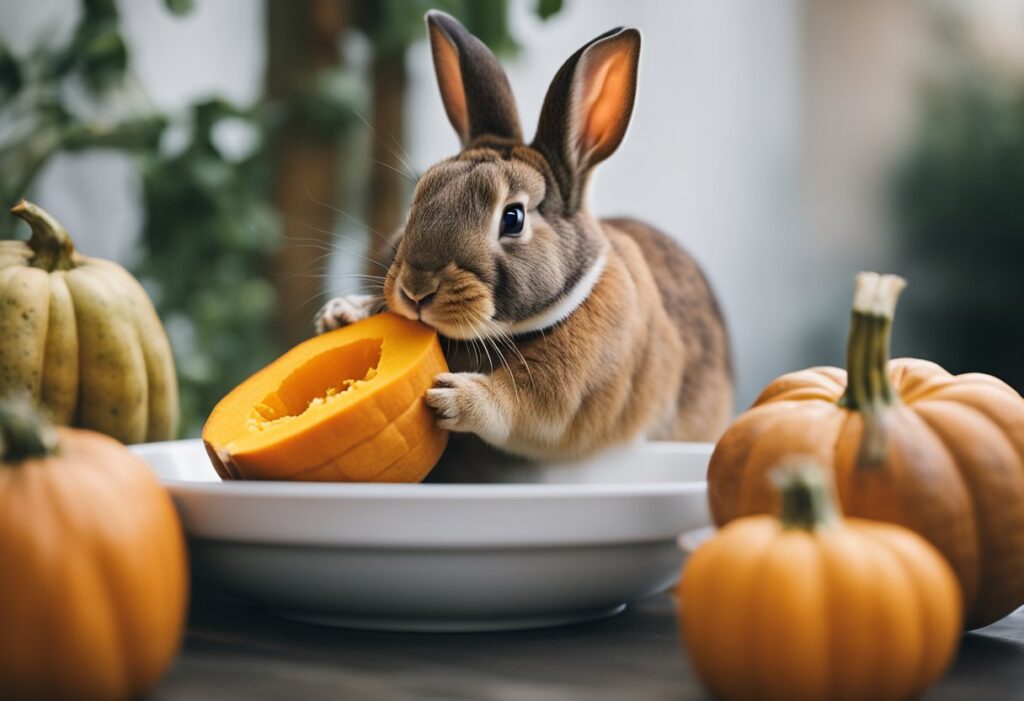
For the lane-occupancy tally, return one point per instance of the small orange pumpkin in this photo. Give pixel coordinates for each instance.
(93, 570)
(908, 443)
(808, 606)
(344, 406)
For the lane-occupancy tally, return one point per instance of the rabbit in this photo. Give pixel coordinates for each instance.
(565, 334)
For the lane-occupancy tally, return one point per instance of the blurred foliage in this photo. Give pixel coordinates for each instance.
(392, 25)
(333, 100)
(69, 98)
(961, 224)
(179, 7)
(210, 227)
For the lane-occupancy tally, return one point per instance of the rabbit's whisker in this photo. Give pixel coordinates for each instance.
(338, 247)
(407, 160)
(472, 343)
(486, 339)
(401, 172)
(411, 171)
(353, 219)
(509, 342)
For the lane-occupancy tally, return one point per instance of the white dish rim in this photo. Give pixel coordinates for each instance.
(431, 491)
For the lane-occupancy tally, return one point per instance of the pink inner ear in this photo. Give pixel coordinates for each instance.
(449, 78)
(604, 98)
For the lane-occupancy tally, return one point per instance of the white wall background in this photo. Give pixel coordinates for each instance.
(754, 140)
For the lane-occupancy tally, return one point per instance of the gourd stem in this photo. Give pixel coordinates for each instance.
(868, 388)
(50, 242)
(805, 491)
(24, 432)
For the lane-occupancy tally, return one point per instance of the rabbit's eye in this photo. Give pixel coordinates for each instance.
(512, 220)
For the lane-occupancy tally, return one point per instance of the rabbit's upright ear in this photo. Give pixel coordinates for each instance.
(587, 108)
(474, 88)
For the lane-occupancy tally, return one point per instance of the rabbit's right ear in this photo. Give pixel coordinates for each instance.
(474, 88)
(587, 109)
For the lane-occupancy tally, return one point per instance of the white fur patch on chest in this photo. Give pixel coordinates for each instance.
(560, 310)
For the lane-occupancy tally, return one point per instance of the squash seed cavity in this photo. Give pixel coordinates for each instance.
(261, 421)
(357, 363)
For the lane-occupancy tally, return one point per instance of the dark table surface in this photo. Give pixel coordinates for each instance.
(235, 651)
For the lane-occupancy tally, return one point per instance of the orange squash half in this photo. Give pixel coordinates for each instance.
(345, 406)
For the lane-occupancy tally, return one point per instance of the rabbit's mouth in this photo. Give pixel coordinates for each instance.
(464, 325)
(466, 311)
(453, 301)
(458, 319)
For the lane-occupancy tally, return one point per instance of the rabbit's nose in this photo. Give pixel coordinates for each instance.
(416, 300)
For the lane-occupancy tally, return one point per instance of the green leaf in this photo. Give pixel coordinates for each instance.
(546, 9)
(11, 77)
(960, 226)
(335, 98)
(180, 7)
(96, 11)
(104, 58)
(140, 134)
(488, 20)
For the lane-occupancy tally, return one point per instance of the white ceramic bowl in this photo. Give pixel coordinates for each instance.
(579, 543)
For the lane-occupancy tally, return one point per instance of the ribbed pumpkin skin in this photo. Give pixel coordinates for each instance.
(953, 470)
(863, 610)
(908, 443)
(84, 340)
(380, 431)
(93, 574)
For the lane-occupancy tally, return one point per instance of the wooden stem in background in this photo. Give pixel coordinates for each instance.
(303, 38)
(386, 194)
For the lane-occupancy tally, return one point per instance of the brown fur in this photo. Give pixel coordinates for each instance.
(642, 376)
(644, 355)
(705, 397)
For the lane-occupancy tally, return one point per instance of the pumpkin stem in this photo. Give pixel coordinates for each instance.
(868, 388)
(805, 491)
(50, 242)
(24, 432)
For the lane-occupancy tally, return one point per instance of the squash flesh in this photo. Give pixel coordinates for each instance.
(355, 435)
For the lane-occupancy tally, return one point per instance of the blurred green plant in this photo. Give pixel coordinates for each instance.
(208, 225)
(392, 25)
(208, 231)
(211, 227)
(957, 199)
(69, 98)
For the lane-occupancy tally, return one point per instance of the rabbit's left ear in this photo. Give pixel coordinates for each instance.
(474, 88)
(588, 106)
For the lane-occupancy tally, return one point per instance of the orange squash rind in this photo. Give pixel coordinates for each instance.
(344, 406)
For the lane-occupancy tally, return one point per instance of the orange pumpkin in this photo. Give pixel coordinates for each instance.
(908, 442)
(344, 406)
(93, 569)
(808, 606)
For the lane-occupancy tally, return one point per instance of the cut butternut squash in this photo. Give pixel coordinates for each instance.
(346, 406)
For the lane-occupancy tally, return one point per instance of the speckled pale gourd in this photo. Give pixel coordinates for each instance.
(81, 337)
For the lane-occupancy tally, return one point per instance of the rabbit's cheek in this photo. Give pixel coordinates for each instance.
(466, 403)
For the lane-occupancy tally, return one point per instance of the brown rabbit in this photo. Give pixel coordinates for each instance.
(566, 334)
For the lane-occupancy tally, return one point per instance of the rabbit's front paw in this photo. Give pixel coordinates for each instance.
(342, 311)
(465, 403)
